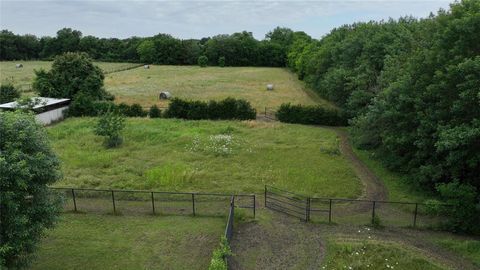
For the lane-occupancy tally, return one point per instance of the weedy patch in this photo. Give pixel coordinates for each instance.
(217, 145)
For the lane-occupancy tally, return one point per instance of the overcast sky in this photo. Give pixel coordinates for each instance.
(196, 19)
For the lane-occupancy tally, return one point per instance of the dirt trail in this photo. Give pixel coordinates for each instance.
(373, 186)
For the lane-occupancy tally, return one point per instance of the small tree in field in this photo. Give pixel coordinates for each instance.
(8, 93)
(155, 112)
(202, 61)
(27, 166)
(111, 125)
(221, 61)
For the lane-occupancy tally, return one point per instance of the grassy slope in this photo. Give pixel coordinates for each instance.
(192, 82)
(23, 77)
(129, 242)
(165, 154)
(467, 248)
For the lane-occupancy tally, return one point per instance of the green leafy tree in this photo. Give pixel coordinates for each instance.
(110, 125)
(221, 61)
(147, 52)
(27, 166)
(8, 93)
(71, 74)
(202, 61)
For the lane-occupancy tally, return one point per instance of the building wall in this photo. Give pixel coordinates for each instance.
(49, 117)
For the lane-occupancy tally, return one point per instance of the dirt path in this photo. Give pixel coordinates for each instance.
(373, 188)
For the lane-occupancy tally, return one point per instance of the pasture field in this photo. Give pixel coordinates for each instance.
(210, 156)
(191, 82)
(23, 77)
(87, 241)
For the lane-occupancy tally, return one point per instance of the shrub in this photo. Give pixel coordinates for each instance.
(310, 115)
(218, 261)
(202, 61)
(221, 61)
(111, 125)
(136, 110)
(463, 214)
(155, 112)
(8, 93)
(228, 108)
(82, 105)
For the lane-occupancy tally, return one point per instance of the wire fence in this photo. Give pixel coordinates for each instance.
(133, 202)
(353, 211)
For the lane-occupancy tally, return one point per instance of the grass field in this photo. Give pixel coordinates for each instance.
(86, 241)
(192, 82)
(467, 248)
(223, 156)
(374, 255)
(23, 77)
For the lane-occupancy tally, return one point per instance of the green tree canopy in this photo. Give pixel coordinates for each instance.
(146, 51)
(27, 166)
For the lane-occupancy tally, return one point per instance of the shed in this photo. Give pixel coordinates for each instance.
(269, 87)
(47, 110)
(165, 95)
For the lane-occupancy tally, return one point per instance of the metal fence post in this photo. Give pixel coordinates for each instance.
(254, 205)
(265, 195)
(113, 202)
(307, 210)
(415, 216)
(74, 200)
(153, 204)
(373, 212)
(193, 203)
(330, 212)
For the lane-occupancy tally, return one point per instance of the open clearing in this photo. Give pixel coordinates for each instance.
(210, 156)
(190, 82)
(23, 77)
(143, 86)
(88, 241)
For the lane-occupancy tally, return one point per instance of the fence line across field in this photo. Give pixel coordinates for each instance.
(360, 210)
(157, 199)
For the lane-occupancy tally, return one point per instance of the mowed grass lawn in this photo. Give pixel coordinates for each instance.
(192, 82)
(88, 241)
(23, 77)
(222, 156)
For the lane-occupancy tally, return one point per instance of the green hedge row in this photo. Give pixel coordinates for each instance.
(228, 108)
(310, 115)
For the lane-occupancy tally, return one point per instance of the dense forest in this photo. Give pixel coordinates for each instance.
(410, 87)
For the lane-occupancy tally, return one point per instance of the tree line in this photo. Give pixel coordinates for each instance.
(411, 89)
(238, 49)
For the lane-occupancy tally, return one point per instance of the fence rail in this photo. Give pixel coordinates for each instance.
(154, 202)
(343, 210)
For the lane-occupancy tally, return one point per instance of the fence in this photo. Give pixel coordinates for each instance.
(151, 202)
(270, 113)
(352, 211)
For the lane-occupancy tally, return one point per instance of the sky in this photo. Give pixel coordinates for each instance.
(197, 19)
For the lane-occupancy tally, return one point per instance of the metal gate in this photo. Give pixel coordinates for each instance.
(287, 202)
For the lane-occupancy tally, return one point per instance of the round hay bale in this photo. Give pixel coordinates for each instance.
(269, 87)
(146, 66)
(19, 66)
(165, 95)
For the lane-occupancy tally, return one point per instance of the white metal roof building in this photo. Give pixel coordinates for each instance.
(47, 110)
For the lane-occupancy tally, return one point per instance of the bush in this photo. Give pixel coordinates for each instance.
(310, 115)
(221, 61)
(202, 61)
(136, 110)
(463, 214)
(218, 261)
(229, 108)
(82, 105)
(111, 125)
(155, 112)
(8, 93)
